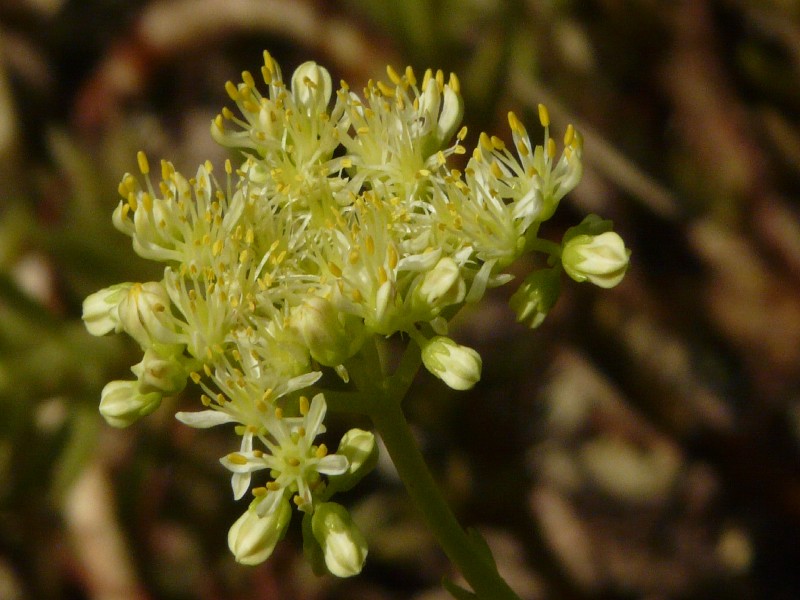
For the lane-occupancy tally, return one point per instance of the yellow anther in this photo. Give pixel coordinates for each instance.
(454, 83)
(304, 405)
(259, 491)
(144, 166)
(515, 124)
(411, 78)
(228, 166)
(248, 79)
(237, 458)
(551, 148)
(544, 116)
(233, 92)
(227, 113)
(278, 412)
(569, 135)
(356, 295)
(122, 189)
(205, 400)
(268, 62)
(322, 451)
(393, 258)
(497, 143)
(385, 89)
(382, 277)
(439, 79)
(496, 170)
(273, 486)
(216, 249)
(393, 75)
(147, 202)
(195, 376)
(293, 461)
(353, 257)
(462, 134)
(369, 244)
(485, 141)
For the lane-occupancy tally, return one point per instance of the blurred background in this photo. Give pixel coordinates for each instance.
(643, 443)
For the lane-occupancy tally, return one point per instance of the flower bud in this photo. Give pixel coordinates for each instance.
(100, 309)
(536, 296)
(161, 370)
(440, 287)
(458, 366)
(329, 342)
(361, 451)
(311, 87)
(144, 314)
(252, 539)
(342, 544)
(122, 404)
(601, 259)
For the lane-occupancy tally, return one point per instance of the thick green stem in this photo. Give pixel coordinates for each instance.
(470, 558)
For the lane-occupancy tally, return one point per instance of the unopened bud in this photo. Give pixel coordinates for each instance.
(361, 451)
(145, 315)
(100, 309)
(600, 259)
(458, 366)
(122, 404)
(536, 296)
(252, 538)
(343, 545)
(312, 87)
(161, 370)
(440, 287)
(322, 329)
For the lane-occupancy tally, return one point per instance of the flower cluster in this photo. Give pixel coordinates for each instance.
(343, 221)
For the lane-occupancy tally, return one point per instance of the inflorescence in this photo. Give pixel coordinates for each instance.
(344, 221)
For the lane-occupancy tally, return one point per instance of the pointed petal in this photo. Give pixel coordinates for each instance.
(204, 419)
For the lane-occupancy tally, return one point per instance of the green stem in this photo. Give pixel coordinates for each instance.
(470, 558)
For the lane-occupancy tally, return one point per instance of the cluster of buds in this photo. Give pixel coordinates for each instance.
(344, 221)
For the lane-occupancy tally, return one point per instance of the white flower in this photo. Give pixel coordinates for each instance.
(294, 462)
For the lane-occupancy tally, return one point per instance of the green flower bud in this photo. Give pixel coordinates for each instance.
(342, 544)
(144, 314)
(361, 451)
(330, 342)
(100, 309)
(458, 366)
(162, 370)
(600, 259)
(536, 296)
(122, 404)
(440, 287)
(252, 538)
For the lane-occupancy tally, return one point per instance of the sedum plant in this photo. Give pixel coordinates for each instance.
(343, 225)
